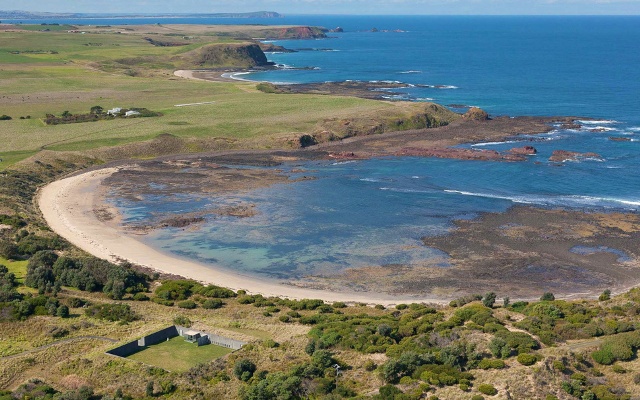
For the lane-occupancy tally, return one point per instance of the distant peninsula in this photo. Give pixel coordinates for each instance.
(49, 15)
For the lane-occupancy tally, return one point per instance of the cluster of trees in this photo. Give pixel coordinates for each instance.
(112, 312)
(46, 271)
(313, 379)
(16, 306)
(96, 113)
(25, 244)
(189, 294)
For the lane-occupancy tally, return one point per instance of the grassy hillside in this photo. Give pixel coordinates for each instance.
(52, 72)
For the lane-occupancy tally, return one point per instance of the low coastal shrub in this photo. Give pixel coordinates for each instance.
(307, 140)
(488, 363)
(182, 321)
(620, 347)
(488, 389)
(112, 312)
(527, 359)
(267, 87)
(140, 297)
(163, 302)
(244, 369)
(211, 304)
(547, 296)
(461, 301)
(188, 304)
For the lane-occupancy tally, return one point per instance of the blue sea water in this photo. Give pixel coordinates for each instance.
(374, 212)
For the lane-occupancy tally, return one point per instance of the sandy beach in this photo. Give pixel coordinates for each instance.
(69, 205)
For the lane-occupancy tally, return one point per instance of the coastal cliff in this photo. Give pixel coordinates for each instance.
(227, 55)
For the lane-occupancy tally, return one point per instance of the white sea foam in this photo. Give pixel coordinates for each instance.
(447, 87)
(343, 162)
(562, 200)
(424, 99)
(493, 143)
(395, 82)
(601, 128)
(369, 180)
(635, 129)
(285, 66)
(401, 190)
(396, 97)
(597, 122)
(236, 76)
(411, 72)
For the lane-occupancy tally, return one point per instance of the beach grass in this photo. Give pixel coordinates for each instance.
(178, 355)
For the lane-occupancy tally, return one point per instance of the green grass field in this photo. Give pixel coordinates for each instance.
(52, 72)
(19, 268)
(177, 355)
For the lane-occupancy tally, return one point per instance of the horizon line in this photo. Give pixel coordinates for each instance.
(284, 15)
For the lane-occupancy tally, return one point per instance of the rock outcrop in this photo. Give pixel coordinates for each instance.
(460, 154)
(524, 151)
(228, 55)
(565, 155)
(476, 114)
(274, 48)
(298, 32)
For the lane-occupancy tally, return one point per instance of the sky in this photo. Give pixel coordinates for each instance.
(394, 7)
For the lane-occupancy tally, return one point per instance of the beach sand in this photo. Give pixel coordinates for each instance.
(69, 207)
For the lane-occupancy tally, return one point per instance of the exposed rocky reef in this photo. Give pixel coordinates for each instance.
(464, 154)
(565, 155)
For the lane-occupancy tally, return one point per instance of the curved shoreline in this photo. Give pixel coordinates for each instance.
(68, 206)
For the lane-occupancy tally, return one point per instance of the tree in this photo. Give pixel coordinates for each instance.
(63, 311)
(66, 114)
(244, 369)
(9, 250)
(606, 295)
(182, 321)
(489, 299)
(505, 301)
(548, 296)
(97, 110)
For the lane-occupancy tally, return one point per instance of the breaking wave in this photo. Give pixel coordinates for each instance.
(576, 201)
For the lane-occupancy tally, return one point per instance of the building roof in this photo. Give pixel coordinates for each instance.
(191, 333)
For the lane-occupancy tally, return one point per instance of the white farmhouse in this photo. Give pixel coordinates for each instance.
(114, 111)
(131, 113)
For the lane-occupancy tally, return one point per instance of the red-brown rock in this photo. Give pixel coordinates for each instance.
(565, 155)
(476, 114)
(524, 151)
(459, 154)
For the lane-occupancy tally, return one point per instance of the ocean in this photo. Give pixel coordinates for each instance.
(374, 212)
